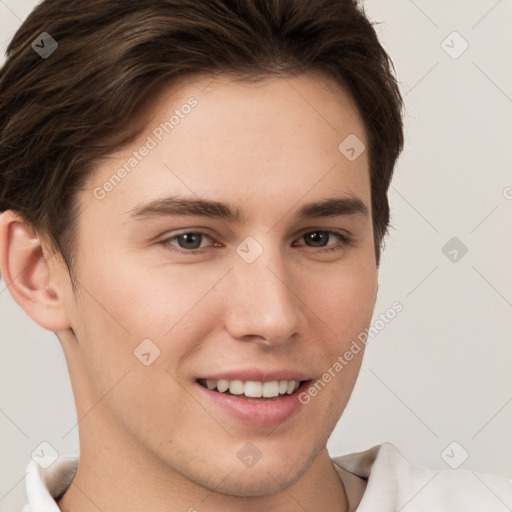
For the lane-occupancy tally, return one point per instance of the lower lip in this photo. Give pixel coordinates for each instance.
(262, 413)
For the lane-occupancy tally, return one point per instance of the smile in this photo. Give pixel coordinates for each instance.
(252, 402)
(251, 388)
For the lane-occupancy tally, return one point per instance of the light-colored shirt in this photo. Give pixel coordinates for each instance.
(376, 480)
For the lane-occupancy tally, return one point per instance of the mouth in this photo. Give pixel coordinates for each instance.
(256, 397)
(253, 390)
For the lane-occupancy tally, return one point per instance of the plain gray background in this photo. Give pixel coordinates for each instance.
(439, 372)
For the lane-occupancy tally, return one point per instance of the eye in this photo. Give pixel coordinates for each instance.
(320, 238)
(188, 241)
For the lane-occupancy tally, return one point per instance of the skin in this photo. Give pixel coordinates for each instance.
(149, 440)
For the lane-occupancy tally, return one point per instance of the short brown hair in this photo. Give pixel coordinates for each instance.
(60, 115)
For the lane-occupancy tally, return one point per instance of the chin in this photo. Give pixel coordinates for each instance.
(258, 482)
(271, 474)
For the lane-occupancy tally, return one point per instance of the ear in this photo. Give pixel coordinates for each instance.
(27, 274)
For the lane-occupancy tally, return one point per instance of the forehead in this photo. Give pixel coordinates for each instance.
(256, 143)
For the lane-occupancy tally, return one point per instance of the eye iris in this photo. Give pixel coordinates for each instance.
(189, 238)
(318, 237)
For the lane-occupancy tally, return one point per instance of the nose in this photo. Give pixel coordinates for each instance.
(262, 304)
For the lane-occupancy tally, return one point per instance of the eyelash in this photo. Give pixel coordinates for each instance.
(344, 241)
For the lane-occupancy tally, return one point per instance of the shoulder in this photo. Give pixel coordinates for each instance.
(394, 484)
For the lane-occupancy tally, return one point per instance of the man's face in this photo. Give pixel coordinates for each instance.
(270, 297)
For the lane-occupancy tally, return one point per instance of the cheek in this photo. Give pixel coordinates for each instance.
(344, 301)
(343, 309)
(136, 297)
(123, 303)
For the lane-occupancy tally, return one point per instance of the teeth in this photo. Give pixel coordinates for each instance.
(271, 389)
(254, 389)
(223, 385)
(236, 387)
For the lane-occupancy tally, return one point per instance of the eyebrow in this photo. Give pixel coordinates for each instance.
(174, 205)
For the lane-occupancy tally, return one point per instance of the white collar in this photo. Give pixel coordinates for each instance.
(46, 485)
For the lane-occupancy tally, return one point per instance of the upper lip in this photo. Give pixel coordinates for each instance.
(259, 375)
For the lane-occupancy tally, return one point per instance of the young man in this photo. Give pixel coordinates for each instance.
(194, 201)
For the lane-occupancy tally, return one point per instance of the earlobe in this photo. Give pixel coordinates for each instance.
(27, 275)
